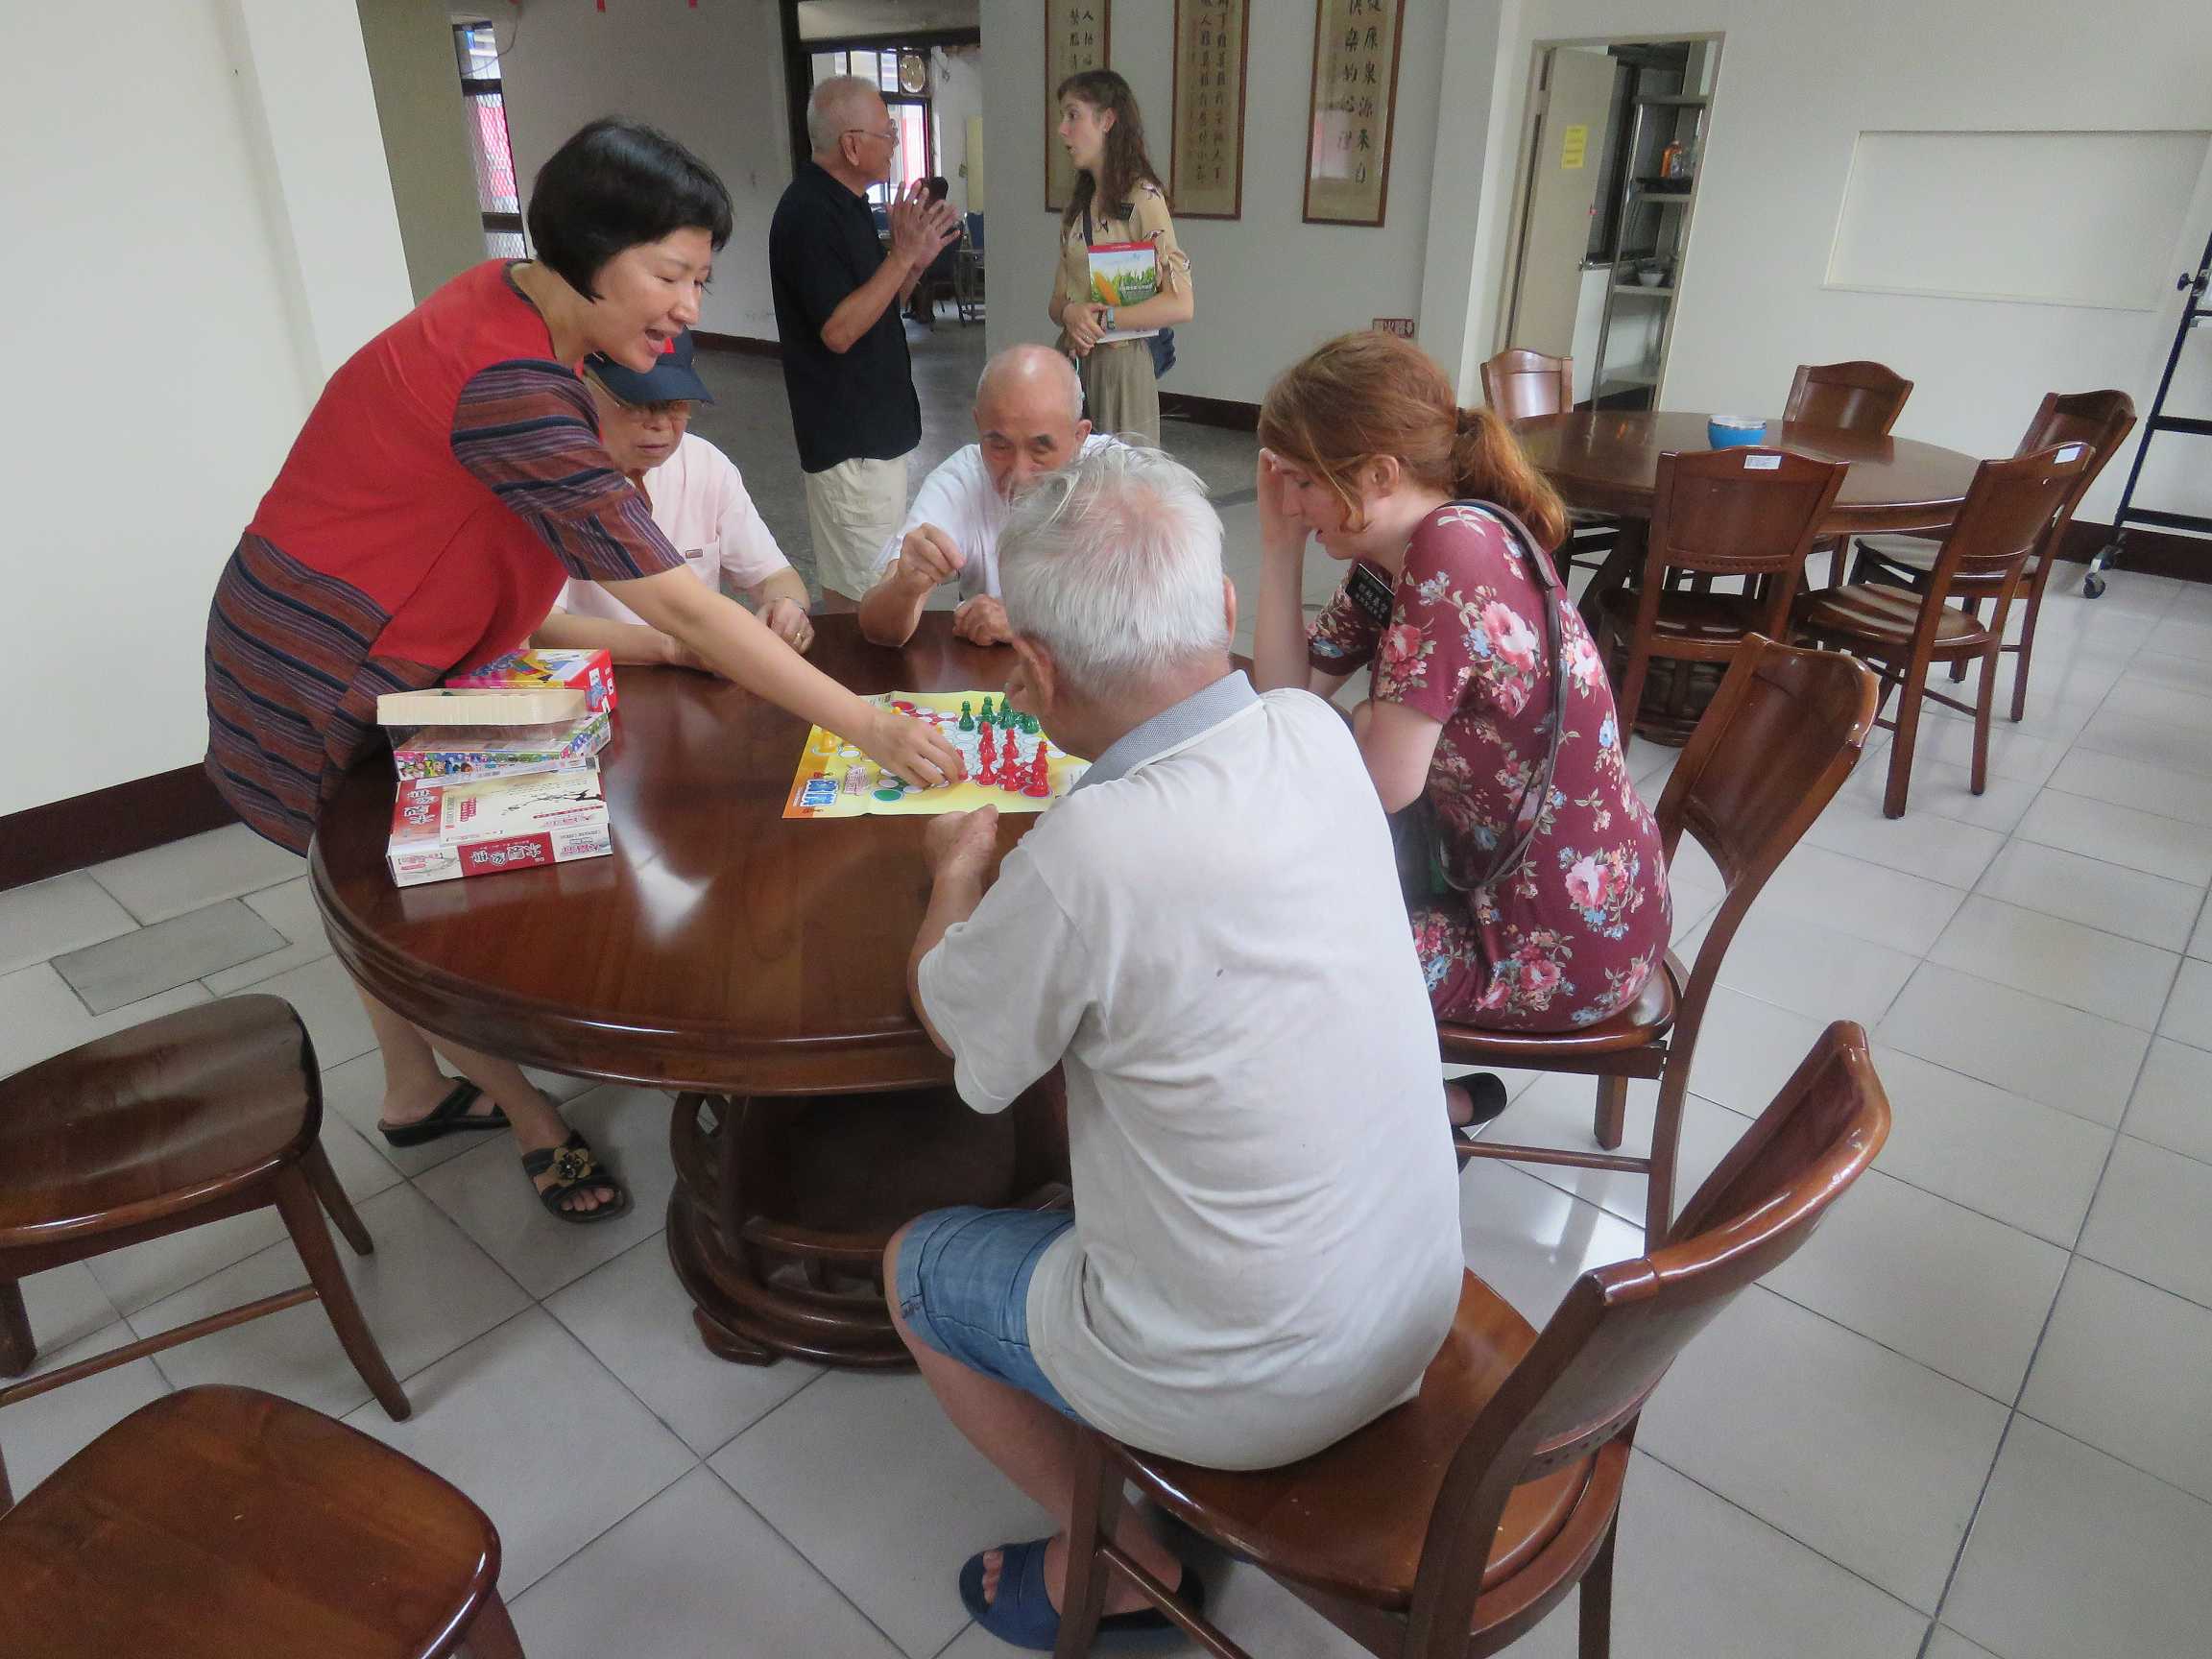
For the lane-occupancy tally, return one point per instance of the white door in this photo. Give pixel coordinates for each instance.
(1570, 145)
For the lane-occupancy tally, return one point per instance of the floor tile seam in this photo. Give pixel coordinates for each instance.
(822, 1374)
(2024, 837)
(2203, 772)
(1965, 1541)
(577, 1337)
(2147, 811)
(2149, 1030)
(93, 871)
(1871, 864)
(516, 1595)
(1771, 1526)
(818, 1571)
(2166, 1481)
(2065, 1245)
(2070, 921)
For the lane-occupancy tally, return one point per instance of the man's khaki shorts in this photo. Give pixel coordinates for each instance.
(851, 511)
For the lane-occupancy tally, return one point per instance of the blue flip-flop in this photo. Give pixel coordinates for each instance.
(1023, 1614)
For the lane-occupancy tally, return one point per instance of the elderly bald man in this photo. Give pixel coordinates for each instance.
(1028, 422)
(837, 300)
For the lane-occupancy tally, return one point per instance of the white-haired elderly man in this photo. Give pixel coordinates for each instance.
(837, 302)
(1205, 936)
(1028, 421)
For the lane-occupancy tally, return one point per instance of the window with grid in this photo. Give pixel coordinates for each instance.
(477, 52)
(910, 114)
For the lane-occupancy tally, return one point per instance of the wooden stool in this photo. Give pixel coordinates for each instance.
(226, 1523)
(187, 1119)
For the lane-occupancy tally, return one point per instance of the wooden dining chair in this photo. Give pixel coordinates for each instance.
(1455, 1524)
(1855, 396)
(1720, 512)
(224, 1522)
(1778, 741)
(2007, 510)
(203, 1114)
(2101, 420)
(1519, 384)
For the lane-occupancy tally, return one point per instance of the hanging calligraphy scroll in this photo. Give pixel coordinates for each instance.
(1209, 133)
(1354, 101)
(1075, 40)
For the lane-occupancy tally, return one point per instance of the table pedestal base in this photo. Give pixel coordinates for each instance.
(783, 1204)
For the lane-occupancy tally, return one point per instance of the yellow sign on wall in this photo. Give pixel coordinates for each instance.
(1573, 146)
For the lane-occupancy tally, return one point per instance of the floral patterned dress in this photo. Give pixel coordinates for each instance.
(1571, 938)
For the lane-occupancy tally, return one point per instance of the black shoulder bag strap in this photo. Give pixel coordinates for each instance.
(1544, 575)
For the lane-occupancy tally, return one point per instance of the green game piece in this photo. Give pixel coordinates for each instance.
(968, 717)
(1006, 716)
(989, 718)
(1029, 725)
(889, 794)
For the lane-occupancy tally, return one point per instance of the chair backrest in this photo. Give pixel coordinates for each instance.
(1772, 750)
(1856, 396)
(1519, 383)
(1614, 1334)
(1739, 511)
(2101, 420)
(976, 231)
(2008, 510)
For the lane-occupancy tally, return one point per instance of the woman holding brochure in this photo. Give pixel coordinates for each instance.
(1115, 236)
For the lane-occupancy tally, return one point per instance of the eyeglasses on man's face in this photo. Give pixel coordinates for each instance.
(890, 137)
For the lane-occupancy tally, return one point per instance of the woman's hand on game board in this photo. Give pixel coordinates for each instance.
(960, 842)
(914, 750)
(982, 622)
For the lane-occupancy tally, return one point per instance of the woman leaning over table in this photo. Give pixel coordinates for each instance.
(448, 480)
(1367, 452)
(1118, 198)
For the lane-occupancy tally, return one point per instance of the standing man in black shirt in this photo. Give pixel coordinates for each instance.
(838, 299)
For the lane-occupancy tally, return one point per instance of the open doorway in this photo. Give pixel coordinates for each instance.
(1610, 163)
(926, 57)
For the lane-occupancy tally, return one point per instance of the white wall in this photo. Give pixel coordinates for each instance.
(711, 79)
(1797, 84)
(425, 131)
(197, 243)
(1269, 286)
(955, 93)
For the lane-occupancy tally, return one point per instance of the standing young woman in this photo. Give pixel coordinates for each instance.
(1118, 198)
(448, 480)
(1367, 451)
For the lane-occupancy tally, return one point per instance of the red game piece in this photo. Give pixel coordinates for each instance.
(1039, 779)
(988, 749)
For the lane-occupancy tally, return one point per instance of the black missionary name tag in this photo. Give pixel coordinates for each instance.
(1370, 592)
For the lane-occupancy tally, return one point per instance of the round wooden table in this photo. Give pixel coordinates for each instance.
(754, 966)
(1607, 461)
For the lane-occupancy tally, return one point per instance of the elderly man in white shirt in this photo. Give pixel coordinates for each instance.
(1206, 937)
(1028, 421)
(698, 501)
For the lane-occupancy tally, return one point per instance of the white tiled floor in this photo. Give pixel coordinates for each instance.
(1971, 1421)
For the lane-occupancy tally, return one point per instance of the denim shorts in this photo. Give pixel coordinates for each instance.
(964, 1288)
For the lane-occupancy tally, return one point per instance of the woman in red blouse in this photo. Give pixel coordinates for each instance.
(1367, 452)
(448, 480)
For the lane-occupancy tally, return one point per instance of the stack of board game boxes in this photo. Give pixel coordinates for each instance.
(498, 768)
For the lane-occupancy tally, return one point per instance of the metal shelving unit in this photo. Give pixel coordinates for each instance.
(1654, 223)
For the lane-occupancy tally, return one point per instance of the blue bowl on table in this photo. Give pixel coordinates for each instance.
(1734, 431)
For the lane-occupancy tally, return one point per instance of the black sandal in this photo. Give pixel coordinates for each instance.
(573, 1165)
(1486, 1095)
(449, 1116)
